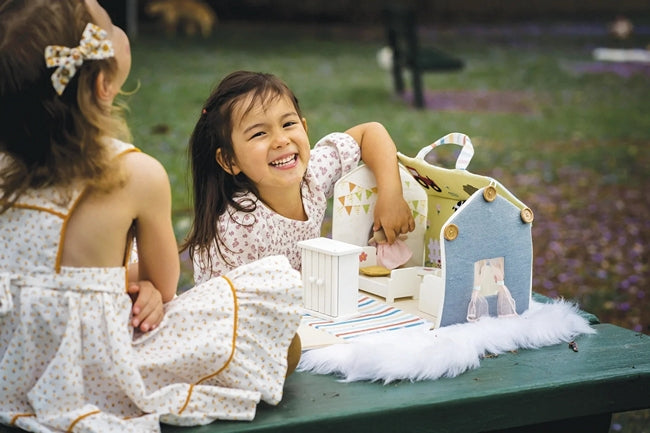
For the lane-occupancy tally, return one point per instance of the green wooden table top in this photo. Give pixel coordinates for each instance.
(609, 373)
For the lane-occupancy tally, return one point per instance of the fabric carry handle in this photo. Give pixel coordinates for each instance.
(466, 153)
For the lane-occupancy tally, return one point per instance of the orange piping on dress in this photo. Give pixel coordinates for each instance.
(94, 412)
(19, 415)
(232, 351)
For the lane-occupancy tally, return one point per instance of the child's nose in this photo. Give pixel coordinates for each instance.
(281, 140)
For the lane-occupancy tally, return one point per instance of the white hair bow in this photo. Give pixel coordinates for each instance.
(94, 44)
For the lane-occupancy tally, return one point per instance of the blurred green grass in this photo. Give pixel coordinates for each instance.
(575, 146)
(336, 77)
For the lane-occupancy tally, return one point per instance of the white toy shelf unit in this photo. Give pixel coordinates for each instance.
(329, 276)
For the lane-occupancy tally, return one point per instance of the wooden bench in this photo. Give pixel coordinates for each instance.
(408, 54)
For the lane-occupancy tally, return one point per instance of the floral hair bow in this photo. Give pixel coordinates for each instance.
(94, 44)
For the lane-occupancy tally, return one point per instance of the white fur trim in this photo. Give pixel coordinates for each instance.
(421, 354)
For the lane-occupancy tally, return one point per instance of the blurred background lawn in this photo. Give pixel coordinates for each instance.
(569, 136)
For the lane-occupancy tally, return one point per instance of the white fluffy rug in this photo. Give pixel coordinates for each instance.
(421, 354)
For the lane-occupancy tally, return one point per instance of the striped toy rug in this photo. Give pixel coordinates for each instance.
(373, 317)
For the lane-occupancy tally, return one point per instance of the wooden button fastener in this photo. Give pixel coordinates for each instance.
(527, 215)
(489, 193)
(451, 232)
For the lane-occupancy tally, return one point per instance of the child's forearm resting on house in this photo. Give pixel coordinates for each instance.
(379, 153)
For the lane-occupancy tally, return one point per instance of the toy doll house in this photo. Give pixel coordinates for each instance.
(482, 251)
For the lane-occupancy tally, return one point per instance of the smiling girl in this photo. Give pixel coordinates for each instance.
(259, 188)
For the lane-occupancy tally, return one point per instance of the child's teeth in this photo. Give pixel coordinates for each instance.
(283, 161)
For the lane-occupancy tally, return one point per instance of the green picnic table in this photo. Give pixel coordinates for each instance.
(553, 389)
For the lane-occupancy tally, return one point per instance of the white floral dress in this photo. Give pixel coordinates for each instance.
(70, 360)
(250, 236)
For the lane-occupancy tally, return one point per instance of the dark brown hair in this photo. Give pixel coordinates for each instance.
(213, 187)
(47, 139)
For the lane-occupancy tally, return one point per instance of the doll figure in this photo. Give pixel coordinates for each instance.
(393, 255)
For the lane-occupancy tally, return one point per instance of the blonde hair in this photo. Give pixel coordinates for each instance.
(49, 139)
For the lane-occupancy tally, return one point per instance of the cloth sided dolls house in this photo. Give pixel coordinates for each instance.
(472, 260)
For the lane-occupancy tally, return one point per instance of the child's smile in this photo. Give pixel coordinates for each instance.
(285, 163)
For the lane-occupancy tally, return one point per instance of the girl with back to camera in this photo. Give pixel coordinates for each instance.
(81, 349)
(259, 188)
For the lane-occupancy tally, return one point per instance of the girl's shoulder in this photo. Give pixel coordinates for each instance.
(118, 147)
(337, 139)
(144, 174)
(333, 156)
(337, 146)
(131, 156)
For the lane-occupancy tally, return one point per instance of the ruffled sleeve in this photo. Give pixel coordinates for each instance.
(333, 156)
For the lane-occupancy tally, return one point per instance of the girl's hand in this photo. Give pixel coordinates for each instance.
(147, 312)
(393, 214)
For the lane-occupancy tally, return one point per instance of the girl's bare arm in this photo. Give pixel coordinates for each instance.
(379, 153)
(158, 260)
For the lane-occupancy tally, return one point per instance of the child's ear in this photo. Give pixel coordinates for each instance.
(232, 170)
(304, 124)
(103, 88)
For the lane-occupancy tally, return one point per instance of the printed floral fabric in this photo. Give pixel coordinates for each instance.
(70, 360)
(94, 44)
(250, 236)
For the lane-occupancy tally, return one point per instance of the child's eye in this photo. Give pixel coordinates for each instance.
(257, 134)
(289, 123)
